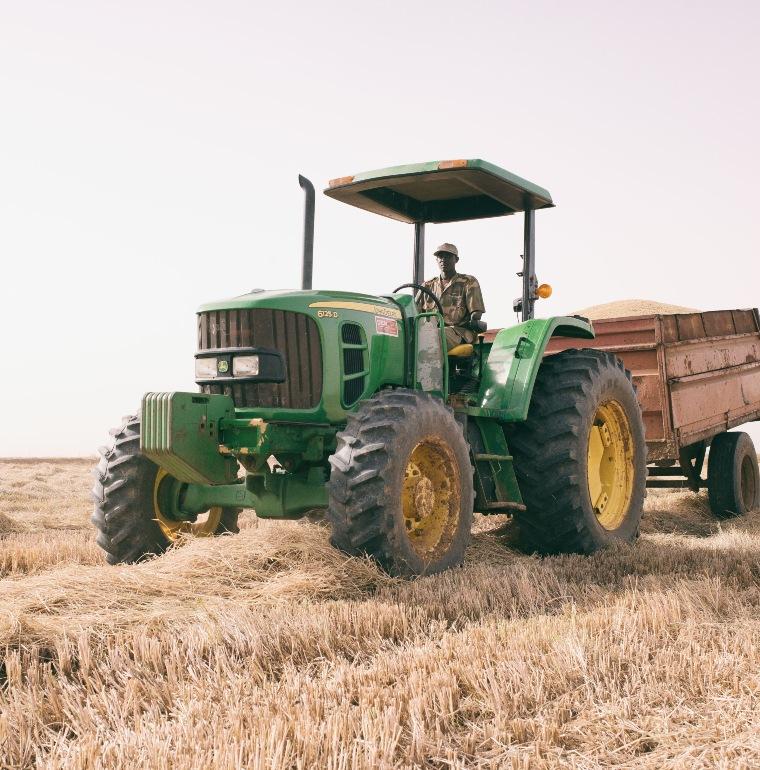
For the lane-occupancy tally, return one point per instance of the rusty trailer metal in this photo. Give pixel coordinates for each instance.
(696, 374)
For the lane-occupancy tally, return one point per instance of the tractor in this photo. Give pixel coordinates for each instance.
(351, 405)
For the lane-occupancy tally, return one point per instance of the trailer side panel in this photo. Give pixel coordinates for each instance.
(696, 374)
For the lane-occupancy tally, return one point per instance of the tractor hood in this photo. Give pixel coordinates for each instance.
(312, 301)
(301, 355)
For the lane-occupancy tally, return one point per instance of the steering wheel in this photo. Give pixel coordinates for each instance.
(424, 290)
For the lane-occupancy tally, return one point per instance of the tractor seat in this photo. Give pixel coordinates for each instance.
(461, 351)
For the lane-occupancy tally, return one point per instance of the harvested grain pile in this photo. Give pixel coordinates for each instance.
(271, 650)
(628, 307)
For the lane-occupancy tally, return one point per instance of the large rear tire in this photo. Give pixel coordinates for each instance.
(401, 486)
(580, 457)
(733, 477)
(128, 512)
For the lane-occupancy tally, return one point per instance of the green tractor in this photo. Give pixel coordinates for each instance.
(351, 404)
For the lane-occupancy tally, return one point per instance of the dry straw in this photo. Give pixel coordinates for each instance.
(271, 650)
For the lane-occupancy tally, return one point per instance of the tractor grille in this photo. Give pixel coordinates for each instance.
(351, 334)
(294, 335)
(352, 390)
(354, 362)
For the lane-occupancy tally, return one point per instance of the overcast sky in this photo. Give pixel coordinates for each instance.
(149, 154)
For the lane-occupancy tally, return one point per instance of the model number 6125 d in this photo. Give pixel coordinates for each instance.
(326, 314)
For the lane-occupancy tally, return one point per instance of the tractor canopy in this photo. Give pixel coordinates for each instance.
(440, 191)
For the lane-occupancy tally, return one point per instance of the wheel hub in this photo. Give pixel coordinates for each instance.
(431, 496)
(424, 498)
(166, 511)
(610, 464)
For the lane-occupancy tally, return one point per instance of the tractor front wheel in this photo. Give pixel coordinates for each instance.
(401, 484)
(580, 457)
(133, 497)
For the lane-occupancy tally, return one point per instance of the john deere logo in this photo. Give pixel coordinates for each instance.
(222, 366)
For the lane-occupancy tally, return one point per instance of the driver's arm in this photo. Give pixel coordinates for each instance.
(423, 301)
(474, 300)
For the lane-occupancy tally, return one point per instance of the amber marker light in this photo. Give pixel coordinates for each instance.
(340, 181)
(544, 291)
(452, 164)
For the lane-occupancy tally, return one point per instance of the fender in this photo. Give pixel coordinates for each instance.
(509, 372)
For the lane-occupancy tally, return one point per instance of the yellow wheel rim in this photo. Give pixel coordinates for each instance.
(610, 464)
(173, 529)
(431, 497)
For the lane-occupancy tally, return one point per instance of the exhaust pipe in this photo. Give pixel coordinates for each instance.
(308, 233)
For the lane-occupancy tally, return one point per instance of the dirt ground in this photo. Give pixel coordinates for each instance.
(269, 649)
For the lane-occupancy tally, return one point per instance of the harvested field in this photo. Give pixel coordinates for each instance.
(269, 649)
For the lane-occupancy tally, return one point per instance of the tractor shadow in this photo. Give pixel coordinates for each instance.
(680, 513)
(665, 513)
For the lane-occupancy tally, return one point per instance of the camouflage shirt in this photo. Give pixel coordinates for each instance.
(460, 298)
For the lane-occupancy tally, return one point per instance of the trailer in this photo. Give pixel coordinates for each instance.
(697, 375)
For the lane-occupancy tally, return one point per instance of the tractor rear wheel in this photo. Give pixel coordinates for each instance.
(401, 486)
(733, 477)
(131, 496)
(580, 457)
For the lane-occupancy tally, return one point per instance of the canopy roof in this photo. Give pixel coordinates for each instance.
(440, 191)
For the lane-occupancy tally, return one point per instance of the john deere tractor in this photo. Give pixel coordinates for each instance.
(351, 404)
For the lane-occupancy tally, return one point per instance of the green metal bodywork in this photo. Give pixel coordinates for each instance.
(180, 432)
(495, 461)
(330, 310)
(280, 495)
(440, 191)
(199, 439)
(512, 363)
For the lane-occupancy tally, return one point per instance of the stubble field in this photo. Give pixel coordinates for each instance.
(269, 649)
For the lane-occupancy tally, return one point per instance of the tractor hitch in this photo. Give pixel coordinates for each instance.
(273, 495)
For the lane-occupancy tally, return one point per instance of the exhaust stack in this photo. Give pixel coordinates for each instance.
(308, 232)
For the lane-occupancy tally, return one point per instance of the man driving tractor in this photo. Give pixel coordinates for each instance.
(459, 294)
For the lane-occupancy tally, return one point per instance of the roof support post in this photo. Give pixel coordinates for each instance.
(418, 273)
(529, 266)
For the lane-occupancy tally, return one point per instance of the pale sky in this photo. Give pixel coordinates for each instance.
(149, 154)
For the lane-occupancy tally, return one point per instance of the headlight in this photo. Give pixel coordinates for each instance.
(205, 368)
(245, 366)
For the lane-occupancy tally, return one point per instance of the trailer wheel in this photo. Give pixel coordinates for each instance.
(130, 494)
(580, 457)
(733, 477)
(401, 486)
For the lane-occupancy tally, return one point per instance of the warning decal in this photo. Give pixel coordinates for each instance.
(387, 326)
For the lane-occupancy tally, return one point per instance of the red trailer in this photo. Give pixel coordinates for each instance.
(697, 375)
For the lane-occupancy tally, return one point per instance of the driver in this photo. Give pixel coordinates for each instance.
(459, 294)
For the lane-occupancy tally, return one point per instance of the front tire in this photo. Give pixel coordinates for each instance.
(580, 457)
(733, 477)
(128, 513)
(401, 486)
